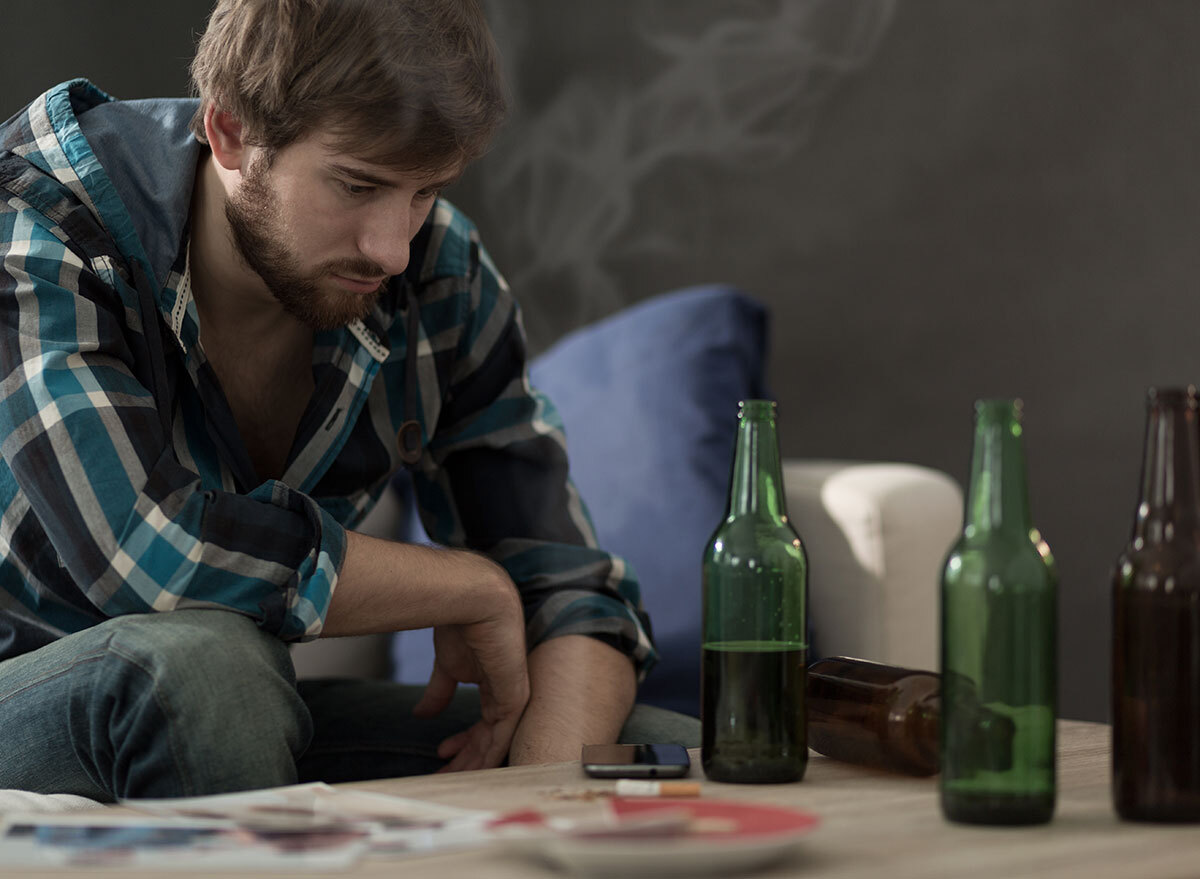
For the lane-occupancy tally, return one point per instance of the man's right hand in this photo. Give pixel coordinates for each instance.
(503, 693)
(490, 653)
(479, 631)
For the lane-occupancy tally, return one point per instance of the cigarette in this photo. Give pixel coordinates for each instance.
(630, 787)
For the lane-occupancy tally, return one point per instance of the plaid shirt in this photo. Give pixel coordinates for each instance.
(124, 484)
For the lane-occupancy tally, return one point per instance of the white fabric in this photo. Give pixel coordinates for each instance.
(876, 536)
(24, 801)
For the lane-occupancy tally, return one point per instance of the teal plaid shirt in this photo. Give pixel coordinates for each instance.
(124, 485)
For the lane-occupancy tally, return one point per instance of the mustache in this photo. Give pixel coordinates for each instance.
(355, 268)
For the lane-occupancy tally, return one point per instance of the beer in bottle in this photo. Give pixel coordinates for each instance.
(888, 717)
(755, 577)
(999, 637)
(1156, 625)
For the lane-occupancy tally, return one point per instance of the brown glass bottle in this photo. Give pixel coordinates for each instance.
(1156, 624)
(874, 715)
(888, 717)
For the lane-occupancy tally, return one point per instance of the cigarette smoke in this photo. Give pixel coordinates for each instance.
(734, 82)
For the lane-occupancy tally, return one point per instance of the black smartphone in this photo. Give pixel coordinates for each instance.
(636, 761)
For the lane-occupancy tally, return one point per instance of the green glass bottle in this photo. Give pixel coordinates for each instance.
(755, 646)
(999, 638)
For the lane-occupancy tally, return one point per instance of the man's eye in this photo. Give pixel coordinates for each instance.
(425, 194)
(355, 188)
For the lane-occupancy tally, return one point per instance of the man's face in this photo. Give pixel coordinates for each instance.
(325, 230)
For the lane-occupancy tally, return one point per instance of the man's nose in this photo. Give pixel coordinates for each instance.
(386, 247)
(385, 237)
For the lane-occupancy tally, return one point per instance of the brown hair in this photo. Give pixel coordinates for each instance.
(412, 84)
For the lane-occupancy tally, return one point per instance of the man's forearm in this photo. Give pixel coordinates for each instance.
(385, 586)
(581, 692)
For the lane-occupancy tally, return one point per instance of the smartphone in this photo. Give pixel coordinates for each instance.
(636, 761)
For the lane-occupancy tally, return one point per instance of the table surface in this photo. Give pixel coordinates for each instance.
(873, 824)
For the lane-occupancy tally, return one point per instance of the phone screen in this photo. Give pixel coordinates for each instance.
(635, 761)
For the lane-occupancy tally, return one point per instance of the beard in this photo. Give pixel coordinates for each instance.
(258, 234)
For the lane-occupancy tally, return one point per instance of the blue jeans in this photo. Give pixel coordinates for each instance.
(201, 701)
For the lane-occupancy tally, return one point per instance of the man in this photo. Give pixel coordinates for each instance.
(225, 325)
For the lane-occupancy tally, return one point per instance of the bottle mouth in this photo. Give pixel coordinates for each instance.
(756, 409)
(1172, 398)
(1000, 407)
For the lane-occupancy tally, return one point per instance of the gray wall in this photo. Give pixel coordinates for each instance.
(939, 199)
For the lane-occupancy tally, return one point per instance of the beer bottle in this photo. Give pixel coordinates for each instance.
(1156, 625)
(874, 715)
(888, 717)
(999, 618)
(755, 578)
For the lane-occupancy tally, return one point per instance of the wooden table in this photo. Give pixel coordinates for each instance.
(873, 824)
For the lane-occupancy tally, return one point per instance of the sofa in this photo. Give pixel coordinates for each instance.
(648, 399)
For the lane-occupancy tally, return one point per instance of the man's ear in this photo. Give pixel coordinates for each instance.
(224, 133)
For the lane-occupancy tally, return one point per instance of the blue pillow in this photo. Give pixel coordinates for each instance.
(649, 400)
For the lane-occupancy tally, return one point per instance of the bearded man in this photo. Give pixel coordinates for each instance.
(226, 323)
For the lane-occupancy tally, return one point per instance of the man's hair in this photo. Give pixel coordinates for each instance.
(410, 84)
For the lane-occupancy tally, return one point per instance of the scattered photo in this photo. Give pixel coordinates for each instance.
(139, 842)
(304, 827)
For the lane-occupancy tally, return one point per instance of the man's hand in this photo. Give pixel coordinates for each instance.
(479, 631)
(492, 654)
(582, 691)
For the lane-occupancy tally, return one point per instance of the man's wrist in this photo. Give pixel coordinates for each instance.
(492, 592)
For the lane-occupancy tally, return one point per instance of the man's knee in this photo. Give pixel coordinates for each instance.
(210, 650)
(193, 702)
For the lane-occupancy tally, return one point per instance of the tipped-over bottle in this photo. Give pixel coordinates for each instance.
(888, 717)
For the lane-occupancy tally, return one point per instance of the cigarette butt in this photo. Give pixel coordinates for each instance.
(631, 787)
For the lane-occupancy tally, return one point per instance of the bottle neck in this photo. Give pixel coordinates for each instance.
(756, 481)
(1170, 491)
(927, 726)
(998, 495)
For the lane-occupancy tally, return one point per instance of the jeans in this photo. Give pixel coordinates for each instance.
(201, 701)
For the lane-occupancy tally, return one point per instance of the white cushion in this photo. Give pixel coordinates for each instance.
(876, 535)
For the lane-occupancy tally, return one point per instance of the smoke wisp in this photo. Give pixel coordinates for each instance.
(731, 83)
